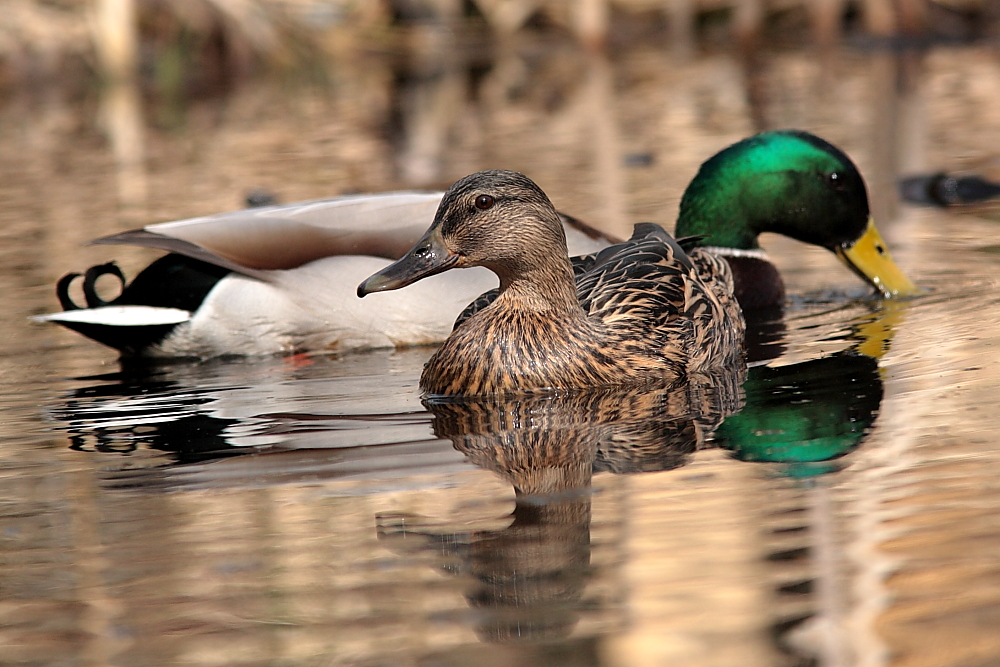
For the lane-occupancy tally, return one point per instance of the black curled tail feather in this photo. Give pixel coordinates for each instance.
(62, 291)
(173, 281)
(90, 295)
(90, 283)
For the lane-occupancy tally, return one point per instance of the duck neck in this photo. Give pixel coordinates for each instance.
(545, 286)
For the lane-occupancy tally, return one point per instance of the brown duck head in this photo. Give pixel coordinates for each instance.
(497, 219)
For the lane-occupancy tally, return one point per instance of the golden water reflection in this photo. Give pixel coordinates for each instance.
(528, 579)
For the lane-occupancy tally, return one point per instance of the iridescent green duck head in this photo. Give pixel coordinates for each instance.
(792, 183)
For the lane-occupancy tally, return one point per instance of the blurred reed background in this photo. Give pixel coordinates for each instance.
(144, 61)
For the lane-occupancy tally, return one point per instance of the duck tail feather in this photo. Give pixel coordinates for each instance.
(90, 283)
(129, 329)
(62, 291)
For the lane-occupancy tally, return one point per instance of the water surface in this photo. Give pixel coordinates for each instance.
(313, 510)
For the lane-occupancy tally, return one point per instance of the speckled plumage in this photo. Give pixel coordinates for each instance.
(641, 312)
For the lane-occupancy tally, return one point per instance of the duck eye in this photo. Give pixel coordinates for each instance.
(834, 180)
(484, 202)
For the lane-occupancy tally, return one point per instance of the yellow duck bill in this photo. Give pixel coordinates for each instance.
(869, 258)
(428, 257)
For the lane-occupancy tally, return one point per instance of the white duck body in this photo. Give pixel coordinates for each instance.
(316, 307)
(293, 272)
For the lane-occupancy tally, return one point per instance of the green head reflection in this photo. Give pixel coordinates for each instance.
(805, 413)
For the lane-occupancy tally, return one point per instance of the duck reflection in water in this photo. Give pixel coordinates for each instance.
(805, 416)
(528, 581)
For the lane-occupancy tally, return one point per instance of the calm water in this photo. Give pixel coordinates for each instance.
(313, 511)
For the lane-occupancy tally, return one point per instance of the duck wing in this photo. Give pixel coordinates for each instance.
(287, 236)
(718, 327)
(641, 280)
(715, 273)
(650, 289)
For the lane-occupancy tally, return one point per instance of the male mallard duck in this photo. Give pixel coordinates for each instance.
(279, 278)
(791, 183)
(642, 312)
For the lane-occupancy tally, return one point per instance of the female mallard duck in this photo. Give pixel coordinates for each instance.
(643, 312)
(279, 278)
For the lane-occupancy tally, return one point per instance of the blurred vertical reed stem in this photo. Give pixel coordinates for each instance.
(826, 19)
(833, 645)
(116, 40)
(682, 15)
(610, 183)
(433, 99)
(591, 19)
(881, 20)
